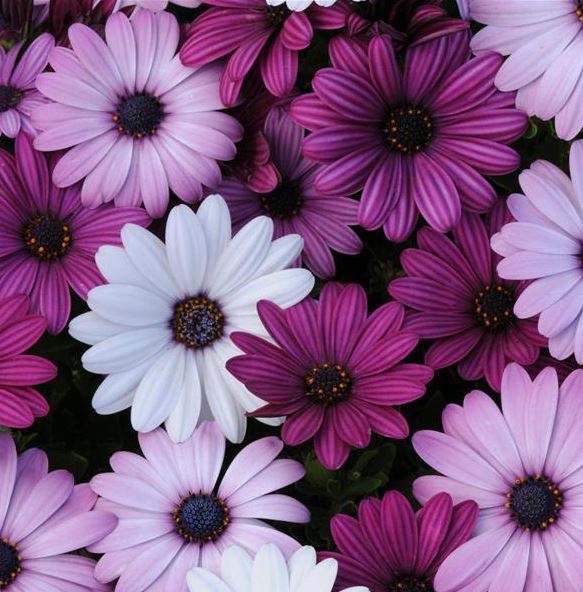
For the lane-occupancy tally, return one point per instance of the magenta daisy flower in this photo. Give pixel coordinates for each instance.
(294, 204)
(413, 141)
(136, 120)
(523, 466)
(18, 94)
(267, 37)
(458, 300)
(545, 245)
(44, 517)
(48, 239)
(19, 330)
(173, 516)
(335, 373)
(389, 547)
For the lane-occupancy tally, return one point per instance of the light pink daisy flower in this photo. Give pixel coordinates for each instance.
(137, 121)
(523, 465)
(544, 42)
(173, 515)
(545, 245)
(44, 517)
(18, 94)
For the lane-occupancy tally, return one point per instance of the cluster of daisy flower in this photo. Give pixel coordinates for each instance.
(182, 184)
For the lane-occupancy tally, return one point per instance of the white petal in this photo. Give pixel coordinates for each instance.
(270, 571)
(243, 256)
(236, 566)
(90, 328)
(186, 249)
(282, 253)
(213, 214)
(116, 388)
(286, 288)
(184, 417)
(300, 564)
(148, 253)
(202, 580)
(117, 268)
(159, 390)
(226, 411)
(321, 577)
(129, 305)
(126, 350)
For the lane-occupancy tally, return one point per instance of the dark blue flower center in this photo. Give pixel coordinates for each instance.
(138, 115)
(410, 584)
(197, 322)
(47, 237)
(9, 97)
(494, 305)
(534, 502)
(408, 129)
(201, 517)
(327, 383)
(283, 202)
(9, 564)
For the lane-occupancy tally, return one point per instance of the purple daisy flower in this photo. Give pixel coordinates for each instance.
(460, 301)
(19, 330)
(173, 517)
(335, 373)
(137, 121)
(524, 467)
(269, 37)
(389, 547)
(48, 240)
(414, 141)
(18, 94)
(294, 204)
(545, 245)
(44, 516)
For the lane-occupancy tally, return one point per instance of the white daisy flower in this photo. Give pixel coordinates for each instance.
(161, 327)
(298, 5)
(268, 572)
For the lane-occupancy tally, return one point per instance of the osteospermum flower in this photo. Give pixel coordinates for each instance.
(339, 372)
(48, 239)
(19, 330)
(389, 547)
(543, 47)
(458, 300)
(136, 120)
(294, 204)
(545, 245)
(269, 571)
(269, 37)
(413, 141)
(43, 518)
(161, 328)
(523, 468)
(173, 515)
(18, 94)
